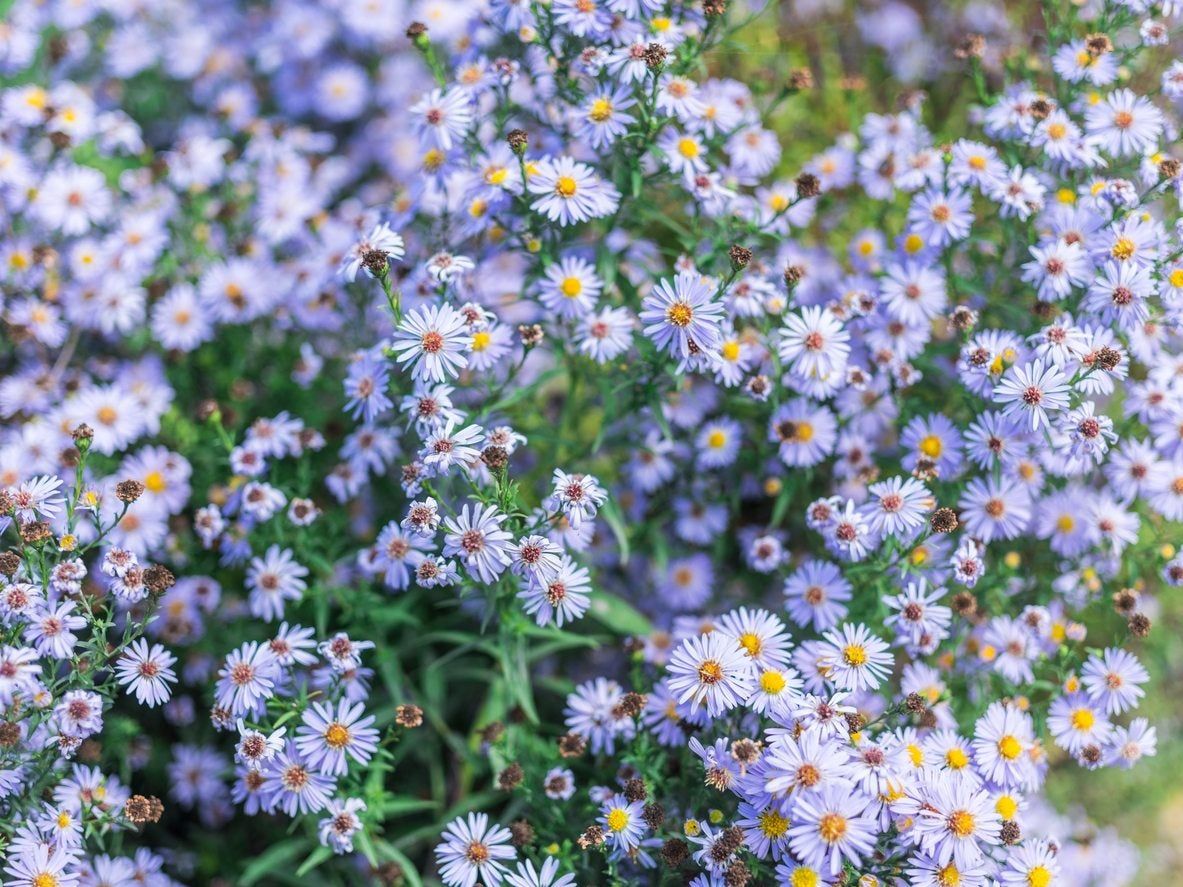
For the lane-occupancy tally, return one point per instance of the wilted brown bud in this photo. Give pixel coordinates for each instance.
(593, 836)
(10, 734)
(855, 721)
(140, 809)
(964, 604)
(416, 31)
(35, 532)
(496, 458)
(70, 457)
(654, 815)
(1107, 358)
(714, 8)
(1044, 310)
(634, 790)
(408, 716)
(83, 433)
(746, 751)
(1125, 601)
(737, 874)
(1011, 833)
(10, 562)
(511, 777)
(375, 261)
(759, 386)
(740, 256)
(572, 745)
(207, 409)
(129, 491)
(1098, 44)
(531, 335)
(944, 520)
(519, 141)
(727, 843)
(1139, 625)
(675, 852)
(389, 874)
(914, 703)
(801, 79)
(972, 46)
(630, 705)
(1169, 168)
(793, 275)
(963, 318)
(521, 833)
(655, 56)
(159, 579)
(1041, 108)
(808, 185)
(491, 733)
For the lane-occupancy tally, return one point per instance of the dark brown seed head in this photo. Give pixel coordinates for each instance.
(654, 815)
(1139, 625)
(593, 836)
(740, 256)
(408, 716)
(944, 520)
(572, 745)
(128, 491)
(519, 141)
(655, 56)
(159, 579)
(972, 46)
(1011, 833)
(808, 185)
(521, 833)
(10, 562)
(674, 853)
(511, 777)
(634, 790)
(82, 433)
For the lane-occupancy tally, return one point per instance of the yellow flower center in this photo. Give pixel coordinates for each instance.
(337, 736)
(1176, 278)
(481, 340)
(1039, 877)
(913, 243)
(956, 758)
(1083, 719)
(601, 110)
(566, 186)
(618, 819)
(715, 440)
(44, 879)
(688, 148)
(773, 824)
(831, 827)
(710, 672)
(931, 446)
(679, 314)
(1009, 747)
(949, 876)
(1123, 249)
(804, 877)
(1006, 807)
(747, 640)
(772, 682)
(962, 823)
(731, 351)
(1066, 523)
(155, 482)
(804, 432)
(855, 655)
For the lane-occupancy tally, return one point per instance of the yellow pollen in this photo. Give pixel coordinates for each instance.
(688, 148)
(804, 877)
(571, 287)
(778, 203)
(731, 351)
(977, 162)
(1176, 278)
(715, 440)
(566, 186)
(773, 824)
(956, 758)
(1123, 249)
(107, 415)
(44, 879)
(1057, 131)
(750, 642)
(497, 176)
(481, 340)
(772, 682)
(155, 482)
(949, 876)
(1006, 807)
(1039, 877)
(1066, 523)
(962, 823)
(679, 314)
(1066, 195)
(601, 110)
(831, 828)
(804, 432)
(618, 819)
(931, 446)
(855, 655)
(710, 672)
(915, 754)
(1083, 719)
(913, 243)
(1009, 747)
(337, 736)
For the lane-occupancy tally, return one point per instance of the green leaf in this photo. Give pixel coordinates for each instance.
(272, 858)
(612, 516)
(618, 615)
(315, 858)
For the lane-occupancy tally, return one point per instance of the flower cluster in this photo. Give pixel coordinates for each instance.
(570, 477)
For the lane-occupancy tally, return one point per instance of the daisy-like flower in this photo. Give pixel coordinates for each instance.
(147, 672)
(1002, 740)
(446, 447)
(816, 595)
(916, 616)
(1031, 391)
(255, 748)
(433, 341)
(683, 318)
(560, 598)
(473, 849)
(1124, 123)
(443, 118)
(535, 558)
(19, 671)
(570, 287)
(475, 536)
(807, 764)
(337, 828)
(832, 828)
(577, 496)
(372, 254)
(292, 786)
(38, 865)
(1032, 864)
(593, 711)
(761, 634)
(954, 819)
(814, 343)
(623, 822)
(994, 509)
(897, 506)
(1128, 745)
(273, 579)
(718, 443)
(1112, 680)
(1075, 722)
(326, 739)
(247, 679)
(570, 192)
(711, 669)
(854, 659)
(38, 498)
